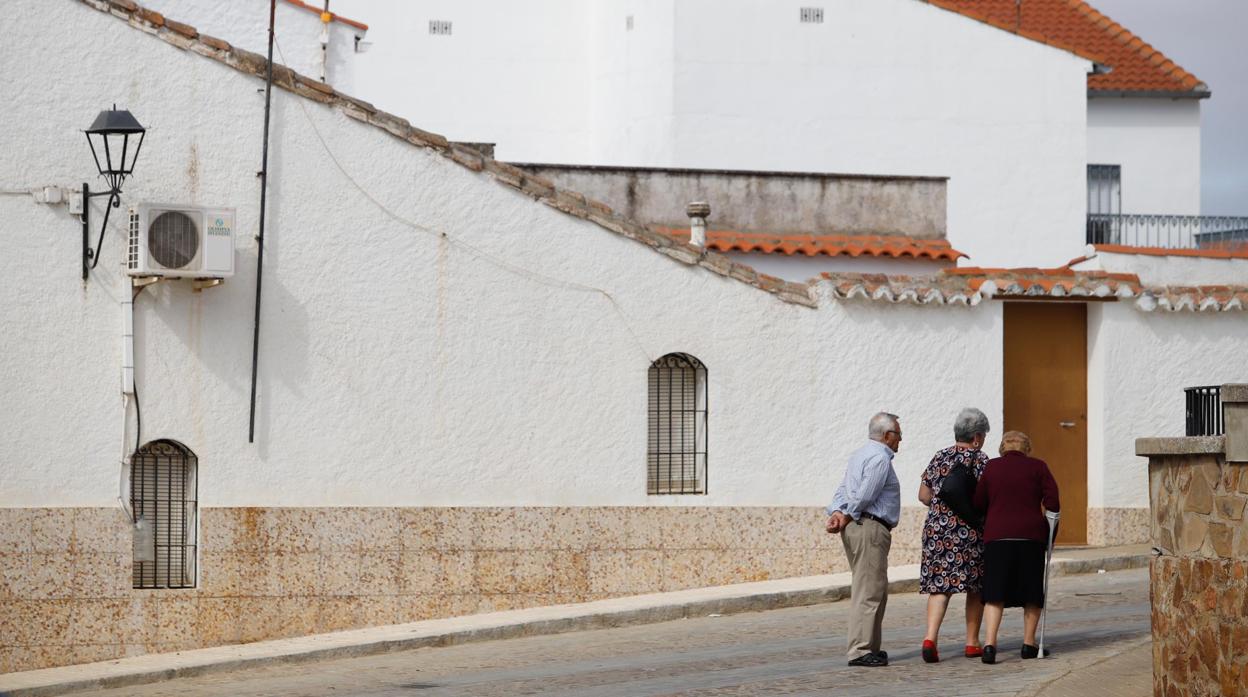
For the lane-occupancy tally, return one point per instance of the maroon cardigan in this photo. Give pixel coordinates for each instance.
(1012, 489)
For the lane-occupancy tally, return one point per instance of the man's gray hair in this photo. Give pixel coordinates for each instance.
(880, 424)
(970, 422)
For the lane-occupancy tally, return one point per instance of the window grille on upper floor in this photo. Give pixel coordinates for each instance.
(164, 497)
(440, 27)
(812, 15)
(677, 437)
(1104, 198)
(1104, 189)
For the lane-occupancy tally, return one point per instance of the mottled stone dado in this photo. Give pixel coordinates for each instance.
(265, 573)
(1200, 577)
(1117, 526)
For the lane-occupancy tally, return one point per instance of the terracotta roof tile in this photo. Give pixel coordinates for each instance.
(970, 286)
(896, 246)
(1059, 282)
(1076, 26)
(1193, 298)
(916, 290)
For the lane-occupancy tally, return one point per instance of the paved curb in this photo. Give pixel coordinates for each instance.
(1082, 669)
(616, 612)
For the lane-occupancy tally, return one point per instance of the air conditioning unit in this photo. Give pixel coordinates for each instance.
(180, 241)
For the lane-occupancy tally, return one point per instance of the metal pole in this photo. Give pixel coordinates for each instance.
(86, 224)
(1052, 517)
(264, 188)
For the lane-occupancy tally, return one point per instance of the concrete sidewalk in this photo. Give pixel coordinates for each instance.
(616, 612)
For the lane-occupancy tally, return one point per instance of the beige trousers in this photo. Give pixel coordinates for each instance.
(866, 547)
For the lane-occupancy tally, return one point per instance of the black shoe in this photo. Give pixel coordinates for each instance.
(1030, 651)
(990, 654)
(870, 660)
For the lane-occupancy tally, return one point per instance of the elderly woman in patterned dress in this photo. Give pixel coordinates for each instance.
(953, 550)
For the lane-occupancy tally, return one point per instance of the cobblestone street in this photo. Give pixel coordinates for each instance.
(796, 651)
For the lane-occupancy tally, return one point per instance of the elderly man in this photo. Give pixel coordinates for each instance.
(864, 511)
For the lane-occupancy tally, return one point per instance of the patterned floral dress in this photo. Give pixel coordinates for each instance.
(953, 552)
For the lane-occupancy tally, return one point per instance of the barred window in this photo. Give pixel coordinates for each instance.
(163, 495)
(676, 451)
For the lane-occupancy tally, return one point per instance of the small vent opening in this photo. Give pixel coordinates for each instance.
(628, 23)
(812, 15)
(440, 27)
(173, 239)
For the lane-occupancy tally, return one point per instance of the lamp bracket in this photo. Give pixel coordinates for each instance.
(90, 257)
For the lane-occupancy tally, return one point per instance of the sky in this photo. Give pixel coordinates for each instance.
(1206, 37)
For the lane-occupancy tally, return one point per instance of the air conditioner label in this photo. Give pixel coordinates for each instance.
(219, 228)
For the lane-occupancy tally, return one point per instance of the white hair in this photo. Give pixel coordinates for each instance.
(969, 423)
(880, 424)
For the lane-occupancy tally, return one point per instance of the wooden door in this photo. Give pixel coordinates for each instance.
(1046, 397)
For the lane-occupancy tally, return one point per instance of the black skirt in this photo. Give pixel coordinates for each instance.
(1014, 573)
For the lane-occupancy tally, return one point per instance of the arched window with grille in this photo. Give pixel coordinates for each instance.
(164, 496)
(677, 438)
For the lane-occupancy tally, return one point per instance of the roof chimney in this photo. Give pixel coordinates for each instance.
(698, 212)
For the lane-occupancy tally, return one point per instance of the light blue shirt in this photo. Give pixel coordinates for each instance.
(870, 485)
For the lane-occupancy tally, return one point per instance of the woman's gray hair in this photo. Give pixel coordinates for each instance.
(970, 422)
(880, 424)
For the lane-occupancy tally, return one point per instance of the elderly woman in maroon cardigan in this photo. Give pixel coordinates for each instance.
(1012, 490)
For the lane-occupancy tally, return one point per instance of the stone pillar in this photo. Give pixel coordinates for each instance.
(1235, 419)
(1199, 578)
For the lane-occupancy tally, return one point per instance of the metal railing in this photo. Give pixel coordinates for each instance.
(1204, 411)
(1221, 232)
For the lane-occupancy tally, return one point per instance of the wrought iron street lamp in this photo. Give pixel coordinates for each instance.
(116, 135)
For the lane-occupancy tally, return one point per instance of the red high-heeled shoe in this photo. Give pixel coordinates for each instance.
(930, 654)
(974, 651)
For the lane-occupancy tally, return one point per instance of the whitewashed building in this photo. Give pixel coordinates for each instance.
(1038, 111)
(477, 388)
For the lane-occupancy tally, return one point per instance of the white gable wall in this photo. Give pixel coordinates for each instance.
(513, 73)
(896, 87)
(1157, 143)
(397, 368)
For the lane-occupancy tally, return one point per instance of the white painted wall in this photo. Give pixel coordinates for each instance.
(1138, 364)
(801, 268)
(513, 73)
(396, 367)
(881, 87)
(894, 87)
(245, 23)
(1172, 270)
(401, 369)
(1157, 143)
(632, 90)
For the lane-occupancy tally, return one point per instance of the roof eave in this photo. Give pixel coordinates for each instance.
(1201, 91)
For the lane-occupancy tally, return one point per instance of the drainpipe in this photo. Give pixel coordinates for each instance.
(698, 212)
(127, 388)
(326, 18)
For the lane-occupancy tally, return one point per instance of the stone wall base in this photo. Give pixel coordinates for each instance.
(1200, 626)
(1200, 581)
(1117, 526)
(66, 591)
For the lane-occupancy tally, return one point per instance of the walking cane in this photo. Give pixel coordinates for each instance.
(1052, 517)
